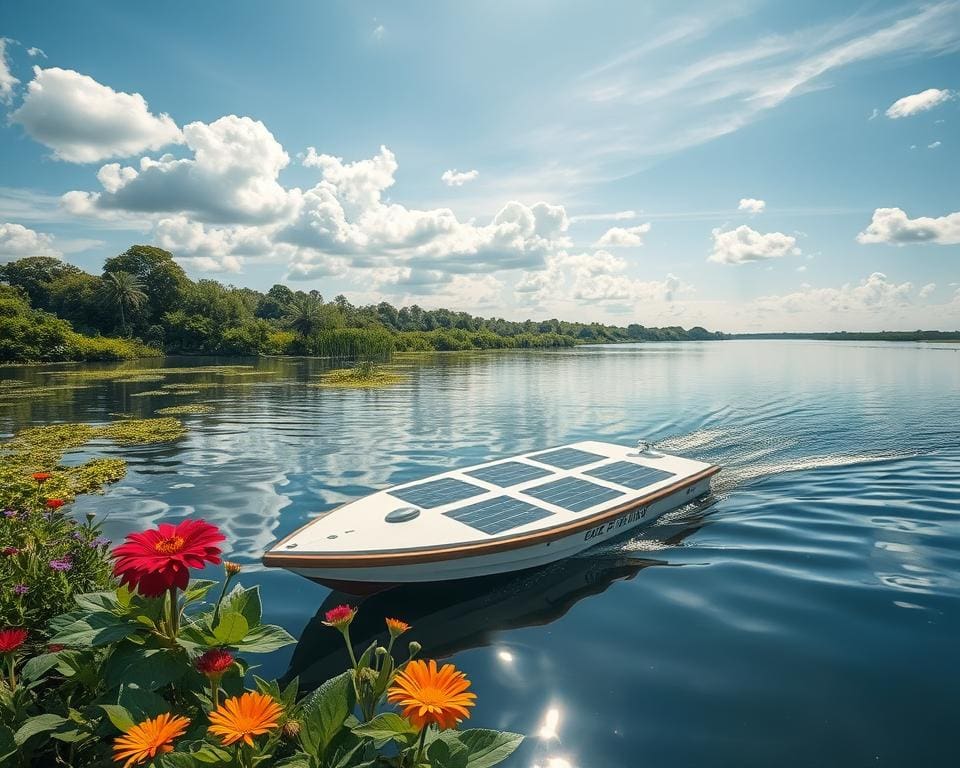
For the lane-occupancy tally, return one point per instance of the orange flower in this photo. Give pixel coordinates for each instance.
(426, 695)
(148, 739)
(41, 477)
(243, 717)
(54, 503)
(396, 627)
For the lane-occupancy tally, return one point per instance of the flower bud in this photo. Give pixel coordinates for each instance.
(381, 651)
(291, 728)
(414, 648)
(231, 568)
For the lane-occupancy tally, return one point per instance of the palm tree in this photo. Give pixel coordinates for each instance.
(121, 289)
(305, 315)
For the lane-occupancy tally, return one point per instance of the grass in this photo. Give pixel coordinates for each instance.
(365, 375)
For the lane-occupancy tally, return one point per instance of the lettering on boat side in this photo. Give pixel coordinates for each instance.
(602, 530)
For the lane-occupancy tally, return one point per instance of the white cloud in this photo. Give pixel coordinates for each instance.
(33, 52)
(7, 81)
(874, 114)
(379, 31)
(623, 236)
(83, 121)
(216, 249)
(891, 225)
(928, 289)
(742, 245)
(232, 177)
(751, 205)
(612, 216)
(933, 145)
(455, 178)
(876, 295)
(17, 241)
(916, 103)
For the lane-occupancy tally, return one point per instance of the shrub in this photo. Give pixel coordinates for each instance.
(95, 348)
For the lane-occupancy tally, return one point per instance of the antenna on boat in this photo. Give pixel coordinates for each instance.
(645, 448)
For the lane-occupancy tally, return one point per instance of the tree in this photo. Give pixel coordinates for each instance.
(305, 315)
(162, 280)
(273, 305)
(35, 274)
(122, 290)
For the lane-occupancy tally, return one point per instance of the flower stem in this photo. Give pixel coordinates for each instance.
(173, 622)
(11, 666)
(423, 738)
(346, 638)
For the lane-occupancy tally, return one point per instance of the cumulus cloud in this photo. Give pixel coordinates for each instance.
(891, 225)
(623, 236)
(751, 205)
(916, 103)
(232, 177)
(455, 178)
(34, 52)
(928, 289)
(875, 295)
(8, 82)
(83, 121)
(17, 241)
(743, 244)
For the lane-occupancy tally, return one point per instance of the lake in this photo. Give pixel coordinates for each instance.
(806, 615)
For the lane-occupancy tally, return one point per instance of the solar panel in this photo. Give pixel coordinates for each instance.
(566, 458)
(436, 493)
(509, 473)
(572, 493)
(498, 514)
(628, 474)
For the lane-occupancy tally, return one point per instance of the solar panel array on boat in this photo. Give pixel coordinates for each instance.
(573, 494)
(509, 473)
(630, 475)
(566, 458)
(498, 514)
(436, 493)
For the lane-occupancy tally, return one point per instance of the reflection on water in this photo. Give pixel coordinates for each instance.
(811, 614)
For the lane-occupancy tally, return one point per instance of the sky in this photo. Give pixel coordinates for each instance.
(745, 166)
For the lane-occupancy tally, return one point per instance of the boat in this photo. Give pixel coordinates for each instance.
(507, 515)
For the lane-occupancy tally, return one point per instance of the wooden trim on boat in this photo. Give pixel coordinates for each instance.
(275, 559)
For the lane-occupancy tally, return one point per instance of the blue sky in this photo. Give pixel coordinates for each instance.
(744, 166)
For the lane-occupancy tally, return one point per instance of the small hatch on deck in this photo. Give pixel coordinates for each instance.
(402, 514)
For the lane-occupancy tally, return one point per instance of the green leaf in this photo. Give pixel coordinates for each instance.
(384, 676)
(484, 747)
(8, 745)
(98, 601)
(198, 589)
(120, 717)
(294, 761)
(231, 629)
(266, 638)
(146, 668)
(364, 660)
(140, 703)
(246, 602)
(447, 753)
(36, 725)
(387, 726)
(324, 712)
(36, 667)
(95, 629)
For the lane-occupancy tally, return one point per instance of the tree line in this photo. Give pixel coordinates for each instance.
(144, 303)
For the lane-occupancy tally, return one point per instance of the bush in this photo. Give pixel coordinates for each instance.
(97, 348)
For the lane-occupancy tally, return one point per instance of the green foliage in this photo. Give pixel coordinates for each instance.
(101, 348)
(364, 375)
(183, 410)
(341, 343)
(122, 291)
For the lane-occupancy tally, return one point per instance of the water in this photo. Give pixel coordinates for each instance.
(807, 615)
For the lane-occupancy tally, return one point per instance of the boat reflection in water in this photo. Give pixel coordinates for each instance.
(453, 616)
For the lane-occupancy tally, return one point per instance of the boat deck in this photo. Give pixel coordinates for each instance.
(561, 489)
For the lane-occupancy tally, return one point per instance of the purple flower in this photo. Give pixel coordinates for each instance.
(61, 564)
(77, 535)
(9, 513)
(21, 589)
(100, 541)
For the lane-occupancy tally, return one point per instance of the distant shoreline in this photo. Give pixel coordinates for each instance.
(939, 336)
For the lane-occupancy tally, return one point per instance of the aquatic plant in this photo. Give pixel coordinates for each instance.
(154, 672)
(160, 392)
(184, 410)
(363, 375)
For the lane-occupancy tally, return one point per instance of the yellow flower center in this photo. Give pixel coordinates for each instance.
(169, 546)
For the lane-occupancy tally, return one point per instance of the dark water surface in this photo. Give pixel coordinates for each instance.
(807, 615)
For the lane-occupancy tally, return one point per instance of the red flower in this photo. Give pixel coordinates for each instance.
(153, 561)
(214, 662)
(10, 551)
(340, 617)
(41, 477)
(11, 639)
(54, 503)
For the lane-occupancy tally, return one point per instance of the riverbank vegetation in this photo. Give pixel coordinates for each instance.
(364, 375)
(143, 304)
(123, 658)
(951, 336)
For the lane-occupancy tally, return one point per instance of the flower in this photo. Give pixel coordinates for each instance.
(155, 560)
(148, 739)
(396, 627)
(243, 717)
(10, 551)
(54, 503)
(11, 639)
(214, 662)
(231, 568)
(340, 617)
(61, 564)
(9, 513)
(41, 477)
(99, 541)
(426, 695)
(20, 589)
